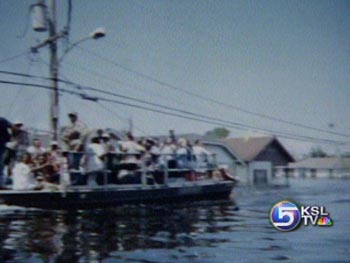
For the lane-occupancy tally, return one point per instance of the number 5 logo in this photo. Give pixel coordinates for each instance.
(285, 216)
(288, 212)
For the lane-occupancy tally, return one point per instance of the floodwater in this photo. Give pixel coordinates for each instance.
(238, 230)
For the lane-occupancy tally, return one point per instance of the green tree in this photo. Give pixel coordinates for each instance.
(218, 133)
(317, 152)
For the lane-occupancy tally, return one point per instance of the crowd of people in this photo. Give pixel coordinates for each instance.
(36, 167)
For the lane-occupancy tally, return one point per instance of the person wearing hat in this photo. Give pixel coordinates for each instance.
(75, 134)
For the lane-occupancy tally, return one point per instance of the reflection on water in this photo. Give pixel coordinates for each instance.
(220, 231)
(93, 235)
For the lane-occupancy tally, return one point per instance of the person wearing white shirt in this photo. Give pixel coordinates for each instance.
(22, 175)
(132, 149)
(36, 149)
(75, 134)
(94, 160)
(93, 156)
(167, 152)
(200, 153)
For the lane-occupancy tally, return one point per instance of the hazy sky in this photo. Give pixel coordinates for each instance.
(286, 59)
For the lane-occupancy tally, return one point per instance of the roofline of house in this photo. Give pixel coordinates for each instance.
(273, 139)
(228, 149)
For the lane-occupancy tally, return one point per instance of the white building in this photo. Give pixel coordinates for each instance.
(326, 167)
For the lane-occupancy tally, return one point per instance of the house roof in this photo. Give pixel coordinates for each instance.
(227, 148)
(322, 163)
(249, 148)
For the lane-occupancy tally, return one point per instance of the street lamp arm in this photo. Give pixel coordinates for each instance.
(98, 33)
(71, 47)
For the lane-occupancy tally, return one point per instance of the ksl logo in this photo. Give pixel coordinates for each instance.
(313, 214)
(287, 216)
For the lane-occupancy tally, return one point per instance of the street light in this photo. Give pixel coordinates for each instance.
(96, 34)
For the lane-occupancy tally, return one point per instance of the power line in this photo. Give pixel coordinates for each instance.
(212, 120)
(14, 57)
(116, 115)
(92, 98)
(208, 99)
(123, 83)
(194, 118)
(23, 75)
(217, 121)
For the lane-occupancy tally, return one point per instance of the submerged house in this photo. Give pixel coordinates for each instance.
(225, 155)
(265, 157)
(255, 160)
(318, 167)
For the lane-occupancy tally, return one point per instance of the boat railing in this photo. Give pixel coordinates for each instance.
(160, 167)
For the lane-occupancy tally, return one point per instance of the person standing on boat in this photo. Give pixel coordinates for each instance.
(183, 154)
(75, 134)
(201, 154)
(167, 153)
(5, 137)
(55, 159)
(36, 149)
(132, 149)
(154, 151)
(93, 160)
(20, 139)
(17, 146)
(107, 143)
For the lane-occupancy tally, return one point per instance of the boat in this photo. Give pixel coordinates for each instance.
(141, 185)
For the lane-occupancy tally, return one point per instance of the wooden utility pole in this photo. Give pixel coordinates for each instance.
(54, 98)
(44, 17)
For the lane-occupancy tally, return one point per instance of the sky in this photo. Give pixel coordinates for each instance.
(289, 60)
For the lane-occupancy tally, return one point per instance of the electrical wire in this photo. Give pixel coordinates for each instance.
(13, 57)
(208, 99)
(66, 81)
(105, 77)
(194, 118)
(154, 104)
(117, 116)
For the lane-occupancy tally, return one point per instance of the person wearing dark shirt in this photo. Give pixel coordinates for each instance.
(5, 136)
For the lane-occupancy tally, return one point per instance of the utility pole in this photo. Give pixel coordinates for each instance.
(43, 16)
(54, 98)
